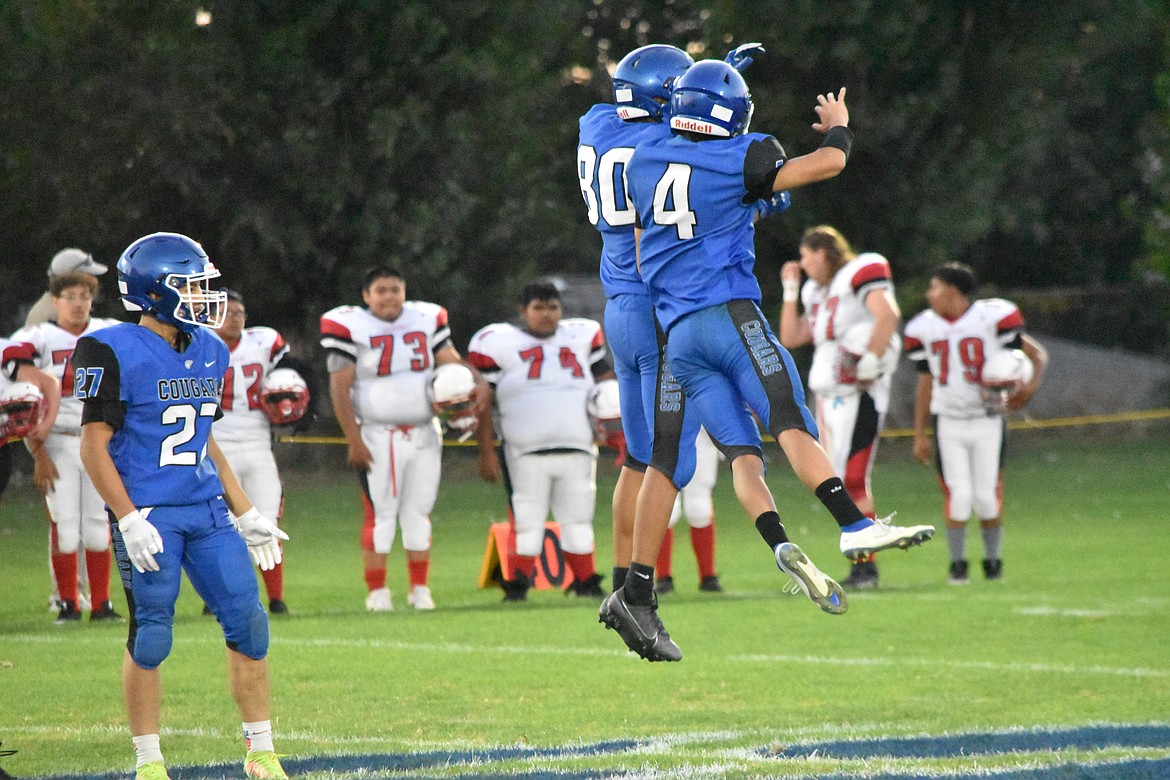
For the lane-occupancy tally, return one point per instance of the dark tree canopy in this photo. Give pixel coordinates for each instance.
(301, 142)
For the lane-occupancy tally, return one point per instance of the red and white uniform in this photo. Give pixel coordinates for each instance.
(77, 511)
(12, 354)
(394, 362)
(244, 433)
(970, 440)
(541, 386)
(849, 419)
(694, 501)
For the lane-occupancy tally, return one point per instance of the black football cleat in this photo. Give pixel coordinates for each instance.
(639, 627)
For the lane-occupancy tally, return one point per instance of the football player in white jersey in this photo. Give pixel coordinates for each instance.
(845, 292)
(244, 433)
(76, 511)
(540, 374)
(380, 359)
(951, 343)
(694, 503)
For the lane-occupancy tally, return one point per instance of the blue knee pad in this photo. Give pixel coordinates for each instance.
(245, 629)
(151, 644)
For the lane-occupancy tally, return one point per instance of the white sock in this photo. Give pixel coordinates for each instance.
(146, 749)
(258, 736)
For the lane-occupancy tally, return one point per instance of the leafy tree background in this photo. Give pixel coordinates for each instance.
(302, 142)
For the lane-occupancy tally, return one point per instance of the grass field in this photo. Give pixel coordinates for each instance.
(1060, 670)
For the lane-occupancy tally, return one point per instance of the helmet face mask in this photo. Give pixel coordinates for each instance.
(284, 396)
(642, 81)
(22, 409)
(167, 275)
(711, 98)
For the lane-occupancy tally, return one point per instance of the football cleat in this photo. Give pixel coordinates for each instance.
(68, 613)
(588, 588)
(639, 627)
(820, 589)
(958, 573)
(263, 765)
(420, 597)
(863, 575)
(664, 585)
(155, 770)
(277, 607)
(378, 600)
(993, 568)
(105, 612)
(515, 590)
(710, 584)
(880, 535)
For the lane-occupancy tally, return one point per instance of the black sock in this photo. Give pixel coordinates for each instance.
(835, 497)
(619, 576)
(770, 527)
(639, 587)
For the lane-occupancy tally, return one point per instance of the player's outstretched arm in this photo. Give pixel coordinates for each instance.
(830, 157)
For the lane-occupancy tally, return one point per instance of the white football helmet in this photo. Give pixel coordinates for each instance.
(1003, 373)
(284, 396)
(22, 408)
(854, 343)
(450, 391)
(605, 408)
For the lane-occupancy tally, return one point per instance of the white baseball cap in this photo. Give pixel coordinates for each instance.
(75, 260)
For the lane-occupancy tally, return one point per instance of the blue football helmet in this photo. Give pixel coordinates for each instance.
(711, 98)
(166, 275)
(642, 80)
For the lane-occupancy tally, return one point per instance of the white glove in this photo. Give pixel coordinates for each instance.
(141, 539)
(261, 534)
(868, 367)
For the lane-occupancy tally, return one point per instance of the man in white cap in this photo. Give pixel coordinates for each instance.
(63, 262)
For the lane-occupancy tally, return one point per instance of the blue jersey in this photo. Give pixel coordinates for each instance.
(696, 202)
(605, 146)
(161, 403)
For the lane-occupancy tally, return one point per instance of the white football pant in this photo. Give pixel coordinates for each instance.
(971, 452)
(563, 482)
(403, 482)
(255, 469)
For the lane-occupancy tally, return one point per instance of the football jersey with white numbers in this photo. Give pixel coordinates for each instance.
(956, 351)
(832, 310)
(605, 145)
(54, 355)
(394, 360)
(252, 358)
(541, 384)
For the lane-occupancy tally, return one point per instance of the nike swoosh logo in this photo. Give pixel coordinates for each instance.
(643, 576)
(209, 365)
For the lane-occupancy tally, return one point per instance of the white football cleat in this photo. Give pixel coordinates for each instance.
(378, 600)
(880, 535)
(420, 597)
(820, 589)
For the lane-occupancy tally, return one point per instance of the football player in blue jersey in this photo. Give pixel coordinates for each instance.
(652, 405)
(151, 391)
(697, 194)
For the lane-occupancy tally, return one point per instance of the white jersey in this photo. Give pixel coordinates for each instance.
(541, 384)
(54, 352)
(832, 310)
(252, 358)
(956, 351)
(395, 360)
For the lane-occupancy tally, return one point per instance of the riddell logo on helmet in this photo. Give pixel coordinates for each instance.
(629, 112)
(695, 126)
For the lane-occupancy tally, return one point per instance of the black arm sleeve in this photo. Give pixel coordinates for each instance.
(922, 366)
(764, 157)
(100, 388)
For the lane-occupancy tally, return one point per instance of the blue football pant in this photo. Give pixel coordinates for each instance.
(731, 364)
(200, 540)
(659, 429)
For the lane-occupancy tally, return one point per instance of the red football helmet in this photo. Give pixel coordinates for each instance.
(450, 394)
(22, 408)
(284, 396)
